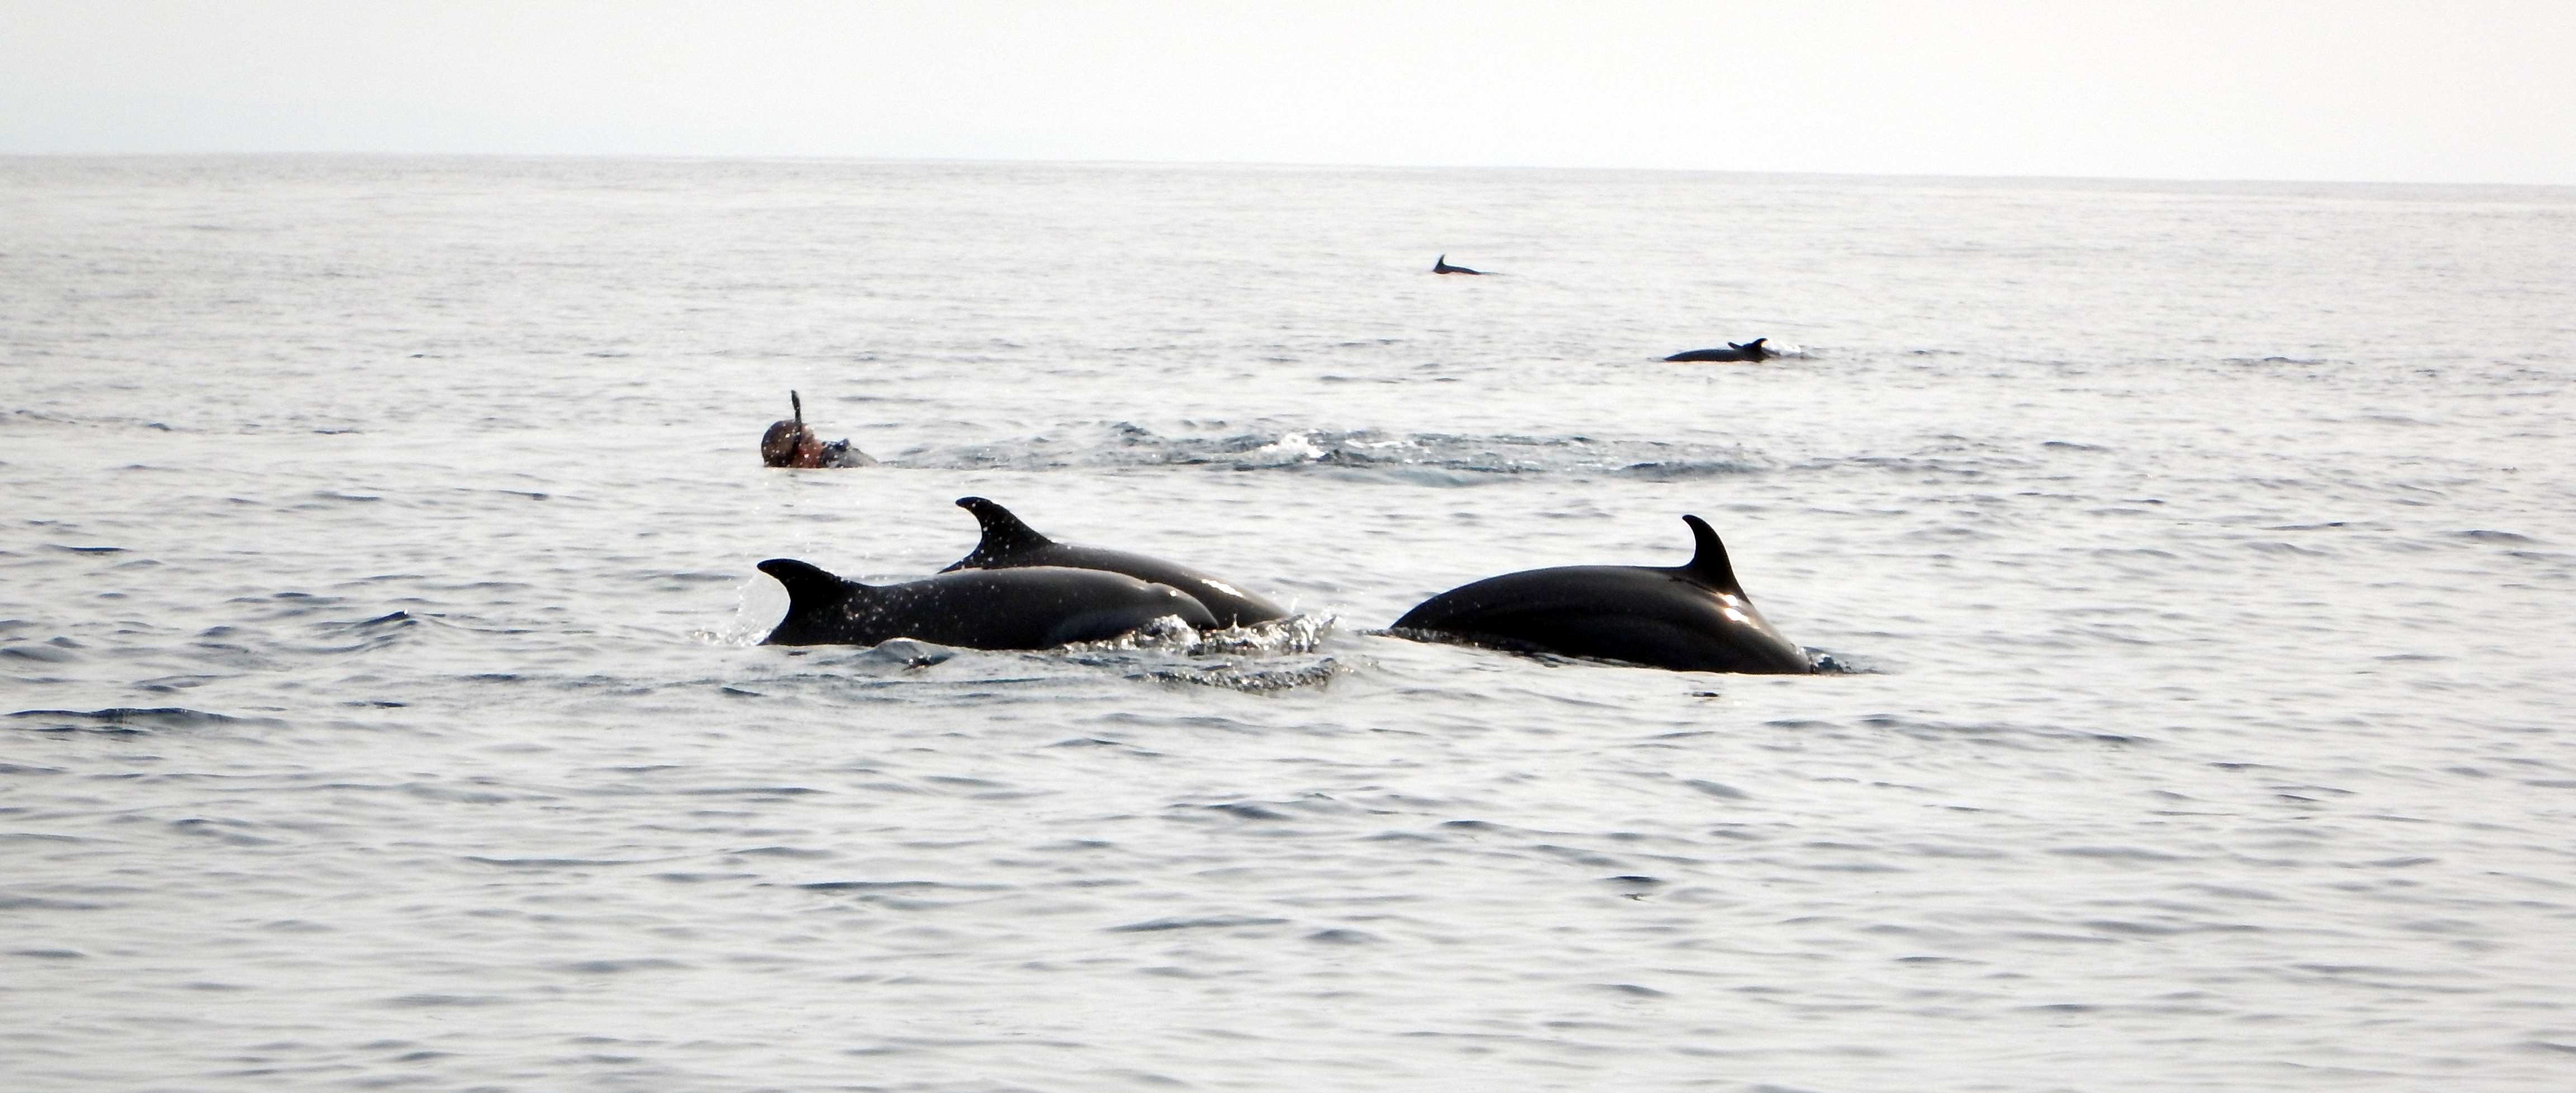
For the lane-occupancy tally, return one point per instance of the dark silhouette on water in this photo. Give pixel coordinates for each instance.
(1010, 544)
(1732, 351)
(1441, 265)
(1690, 618)
(1038, 608)
(1749, 351)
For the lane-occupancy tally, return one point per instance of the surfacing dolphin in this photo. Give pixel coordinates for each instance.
(1441, 265)
(1749, 351)
(1010, 544)
(1038, 608)
(1690, 618)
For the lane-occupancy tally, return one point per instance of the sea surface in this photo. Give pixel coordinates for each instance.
(384, 708)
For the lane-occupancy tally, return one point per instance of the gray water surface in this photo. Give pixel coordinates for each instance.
(376, 545)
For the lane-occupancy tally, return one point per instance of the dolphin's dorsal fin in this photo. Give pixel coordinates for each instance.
(810, 588)
(1004, 534)
(1708, 565)
(1755, 343)
(799, 405)
(1732, 345)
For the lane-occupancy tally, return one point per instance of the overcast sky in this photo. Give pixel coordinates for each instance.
(2456, 91)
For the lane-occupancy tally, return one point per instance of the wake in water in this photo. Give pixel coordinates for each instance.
(1290, 636)
(1169, 651)
(1251, 681)
(1125, 444)
(1271, 656)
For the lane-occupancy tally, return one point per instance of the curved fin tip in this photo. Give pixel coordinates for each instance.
(1708, 560)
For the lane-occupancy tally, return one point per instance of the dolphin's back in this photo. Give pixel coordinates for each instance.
(1708, 355)
(1230, 605)
(1749, 351)
(1024, 608)
(1640, 614)
(1011, 544)
(1029, 608)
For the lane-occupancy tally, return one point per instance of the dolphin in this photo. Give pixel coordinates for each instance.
(1036, 608)
(1689, 618)
(1010, 544)
(1749, 351)
(1441, 265)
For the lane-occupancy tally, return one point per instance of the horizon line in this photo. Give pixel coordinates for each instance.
(701, 157)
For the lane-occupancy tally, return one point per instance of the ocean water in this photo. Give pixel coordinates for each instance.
(384, 710)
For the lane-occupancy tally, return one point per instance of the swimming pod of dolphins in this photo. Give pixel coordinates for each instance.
(1019, 589)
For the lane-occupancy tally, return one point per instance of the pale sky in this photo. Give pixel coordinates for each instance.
(2456, 91)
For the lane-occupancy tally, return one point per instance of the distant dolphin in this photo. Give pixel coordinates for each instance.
(1691, 618)
(990, 609)
(1441, 265)
(1749, 351)
(1009, 544)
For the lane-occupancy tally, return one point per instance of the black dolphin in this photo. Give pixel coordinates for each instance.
(995, 609)
(1749, 351)
(1691, 618)
(1441, 265)
(1010, 544)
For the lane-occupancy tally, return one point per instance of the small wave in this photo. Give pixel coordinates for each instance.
(1818, 661)
(41, 417)
(1257, 681)
(1213, 922)
(128, 719)
(1289, 448)
(897, 659)
(1163, 653)
(45, 653)
(1167, 633)
(1686, 469)
(444, 1001)
(1827, 664)
(1281, 637)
